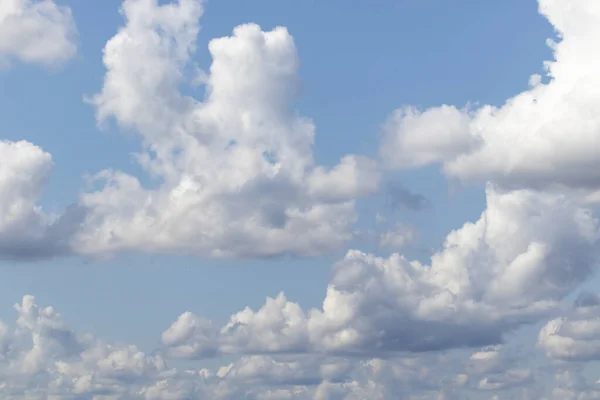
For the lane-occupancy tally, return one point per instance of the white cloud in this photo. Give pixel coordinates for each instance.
(353, 176)
(496, 368)
(279, 326)
(398, 237)
(236, 170)
(36, 31)
(296, 371)
(23, 173)
(507, 379)
(42, 357)
(513, 266)
(190, 337)
(25, 230)
(479, 286)
(415, 138)
(549, 134)
(576, 336)
(572, 385)
(40, 32)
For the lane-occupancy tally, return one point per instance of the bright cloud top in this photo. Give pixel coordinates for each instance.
(236, 172)
(547, 135)
(36, 31)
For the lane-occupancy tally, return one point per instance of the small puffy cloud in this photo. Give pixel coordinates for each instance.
(26, 232)
(484, 361)
(190, 337)
(576, 336)
(43, 358)
(41, 32)
(572, 385)
(237, 173)
(354, 176)
(50, 338)
(36, 31)
(398, 237)
(506, 380)
(511, 267)
(296, 371)
(24, 170)
(414, 138)
(546, 135)
(498, 369)
(279, 326)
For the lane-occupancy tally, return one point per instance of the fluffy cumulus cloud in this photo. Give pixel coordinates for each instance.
(27, 232)
(575, 336)
(235, 171)
(42, 357)
(477, 287)
(190, 337)
(23, 172)
(40, 32)
(36, 31)
(547, 135)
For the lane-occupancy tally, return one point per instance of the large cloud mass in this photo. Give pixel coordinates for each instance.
(236, 171)
(513, 266)
(547, 135)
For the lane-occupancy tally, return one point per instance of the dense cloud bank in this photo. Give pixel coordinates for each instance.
(42, 357)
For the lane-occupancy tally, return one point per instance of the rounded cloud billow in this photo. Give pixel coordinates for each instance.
(477, 288)
(39, 32)
(26, 232)
(548, 135)
(236, 169)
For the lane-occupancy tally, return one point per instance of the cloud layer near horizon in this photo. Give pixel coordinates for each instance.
(42, 357)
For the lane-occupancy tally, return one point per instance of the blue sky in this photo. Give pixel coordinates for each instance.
(405, 151)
